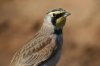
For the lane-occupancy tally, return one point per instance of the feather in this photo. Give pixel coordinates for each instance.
(30, 55)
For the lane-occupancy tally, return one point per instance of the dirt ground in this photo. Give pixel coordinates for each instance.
(21, 19)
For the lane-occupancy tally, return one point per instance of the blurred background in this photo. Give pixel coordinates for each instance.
(21, 19)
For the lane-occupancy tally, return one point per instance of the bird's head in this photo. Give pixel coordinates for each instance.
(57, 17)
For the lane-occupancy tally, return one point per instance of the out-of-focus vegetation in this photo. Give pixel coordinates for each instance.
(20, 20)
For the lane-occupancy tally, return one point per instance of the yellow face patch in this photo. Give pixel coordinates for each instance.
(60, 21)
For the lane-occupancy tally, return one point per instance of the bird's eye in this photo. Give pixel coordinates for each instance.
(54, 14)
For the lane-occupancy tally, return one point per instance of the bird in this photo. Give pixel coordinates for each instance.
(44, 48)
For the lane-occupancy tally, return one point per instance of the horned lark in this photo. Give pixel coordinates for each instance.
(44, 49)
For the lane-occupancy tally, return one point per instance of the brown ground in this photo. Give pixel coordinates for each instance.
(19, 20)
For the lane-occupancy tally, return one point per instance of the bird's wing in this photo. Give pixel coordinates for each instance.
(35, 52)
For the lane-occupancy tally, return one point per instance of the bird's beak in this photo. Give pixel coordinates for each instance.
(67, 14)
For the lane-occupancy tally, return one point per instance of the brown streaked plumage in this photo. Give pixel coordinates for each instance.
(44, 49)
(36, 50)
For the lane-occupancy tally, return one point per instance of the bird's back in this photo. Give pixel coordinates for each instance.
(35, 51)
